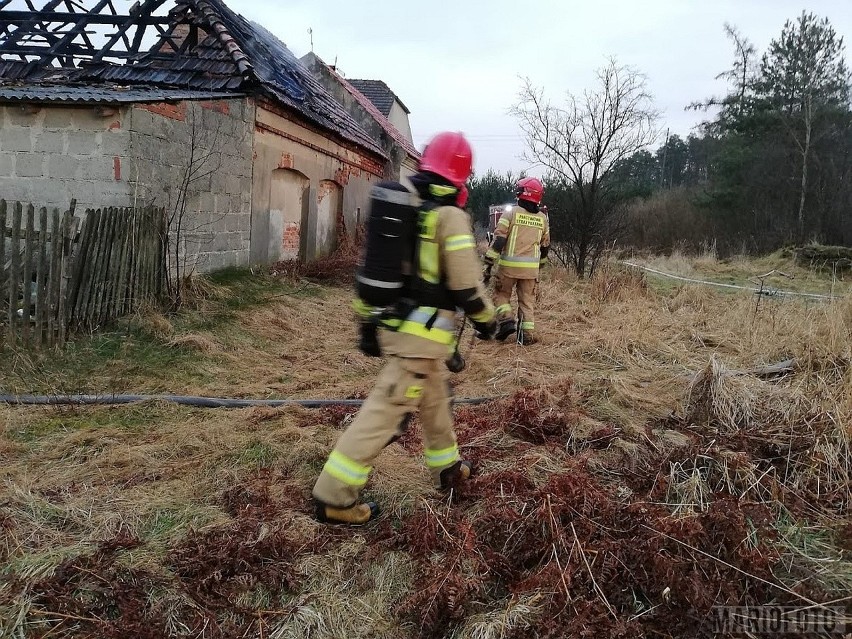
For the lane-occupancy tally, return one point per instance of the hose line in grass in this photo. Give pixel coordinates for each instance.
(202, 402)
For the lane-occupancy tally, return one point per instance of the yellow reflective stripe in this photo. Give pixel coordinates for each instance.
(518, 264)
(443, 457)
(504, 221)
(484, 316)
(492, 254)
(428, 224)
(513, 236)
(428, 250)
(435, 334)
(429, 262)
(459, 242)
(415, 324)
(521, 258)
(346, 470)
(528, 326)
(414, 392)
(440, 190)
(362, 308)
(427, 315)
(504, 308)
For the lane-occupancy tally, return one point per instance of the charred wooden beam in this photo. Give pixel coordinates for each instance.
(64, 17)
(140, 16)
(77, 29)
(25, 27)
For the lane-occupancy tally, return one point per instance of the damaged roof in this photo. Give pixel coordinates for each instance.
(201, 46)
(368, 106)
(379, 94)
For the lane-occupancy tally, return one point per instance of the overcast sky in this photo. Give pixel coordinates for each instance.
(456, 64)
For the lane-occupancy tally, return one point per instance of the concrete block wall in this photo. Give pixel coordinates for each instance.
(50, 155)
(212, 143)
(121, 156)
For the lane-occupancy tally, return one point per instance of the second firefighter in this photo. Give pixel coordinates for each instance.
(519, 248)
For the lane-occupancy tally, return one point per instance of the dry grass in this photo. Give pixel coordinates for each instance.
(632, 391)
(744, 271)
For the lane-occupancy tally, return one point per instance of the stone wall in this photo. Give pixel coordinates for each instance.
(263, 185)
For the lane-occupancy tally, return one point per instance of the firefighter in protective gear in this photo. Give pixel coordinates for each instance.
(446, 276)
(519, 248)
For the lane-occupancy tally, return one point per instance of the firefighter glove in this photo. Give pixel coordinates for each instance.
(369, 342)
(486, 330)
(456, 363)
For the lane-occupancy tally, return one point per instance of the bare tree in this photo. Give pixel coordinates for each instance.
(202, 157)
(578, 144)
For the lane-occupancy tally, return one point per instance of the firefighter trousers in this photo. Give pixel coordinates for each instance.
(526, 300)
(405, 385)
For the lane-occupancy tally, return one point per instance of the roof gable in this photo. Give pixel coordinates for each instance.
(379, 94)
(315, 62)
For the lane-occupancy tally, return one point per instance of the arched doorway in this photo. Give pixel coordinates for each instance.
(329, 201)
(288, 214)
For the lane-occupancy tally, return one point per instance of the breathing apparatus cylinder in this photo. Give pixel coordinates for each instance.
(391, 234)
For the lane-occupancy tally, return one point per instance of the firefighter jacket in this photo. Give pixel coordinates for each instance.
(449, 273)
(518, 240)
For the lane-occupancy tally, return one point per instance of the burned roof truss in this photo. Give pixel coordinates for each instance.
(68, 33)
(80, 46)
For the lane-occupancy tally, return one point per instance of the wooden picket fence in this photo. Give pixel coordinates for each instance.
(58, 275)
(119, 265)
(34, 310)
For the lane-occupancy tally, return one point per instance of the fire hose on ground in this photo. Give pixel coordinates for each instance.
(456, 363)
(200, 402)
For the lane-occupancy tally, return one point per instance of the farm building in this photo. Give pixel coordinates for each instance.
(189, 106)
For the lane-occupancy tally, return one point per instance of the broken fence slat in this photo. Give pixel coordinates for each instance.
(68, 229)
(4, 295)
(27, 303)
(14, 266)
(53, 318)
(98, 319)
(41, 277)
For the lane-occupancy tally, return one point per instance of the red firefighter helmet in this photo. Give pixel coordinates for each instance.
(450, 156)
(530, 189)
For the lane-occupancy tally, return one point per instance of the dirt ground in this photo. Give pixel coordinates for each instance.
(636, 470)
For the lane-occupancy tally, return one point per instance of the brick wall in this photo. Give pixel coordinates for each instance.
(291, 238)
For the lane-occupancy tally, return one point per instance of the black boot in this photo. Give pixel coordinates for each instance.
(506, 328)
(527, 339)
(456, 474)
